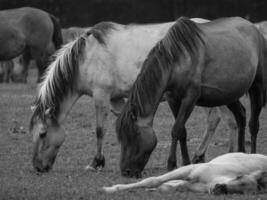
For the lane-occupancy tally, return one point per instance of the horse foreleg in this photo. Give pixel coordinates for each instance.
(213, 119)
(102, 108)
(239, 112)
(154, 182)
(179, 130)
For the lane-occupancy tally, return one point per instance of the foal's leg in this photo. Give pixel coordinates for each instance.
(255, 95)
(101, 98)
(179, 130)
(240, 115)
(213, 119)
(154, 182)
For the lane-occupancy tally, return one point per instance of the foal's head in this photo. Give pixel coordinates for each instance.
(252, 183)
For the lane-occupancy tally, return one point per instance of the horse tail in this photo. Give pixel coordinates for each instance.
(57, 35)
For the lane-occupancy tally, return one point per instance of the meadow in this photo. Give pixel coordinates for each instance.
(68, 179)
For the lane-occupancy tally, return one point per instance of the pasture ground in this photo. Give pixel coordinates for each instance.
(68, 179)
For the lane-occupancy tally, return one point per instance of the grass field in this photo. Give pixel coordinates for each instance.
(68, 179)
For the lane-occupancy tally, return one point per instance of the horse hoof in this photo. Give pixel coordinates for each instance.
(198, 159)
(219, 189)
(97, 164)
(171, 166)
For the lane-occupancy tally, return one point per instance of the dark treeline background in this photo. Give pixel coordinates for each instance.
(89, 12)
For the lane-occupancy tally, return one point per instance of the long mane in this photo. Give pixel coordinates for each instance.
(183, 38)
(59, 79)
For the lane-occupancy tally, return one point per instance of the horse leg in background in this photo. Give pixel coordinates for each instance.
(229, 118)
(102, 99)
(117, 105)
(181, 173)
(26, 58)
(239, 112)
(41, 63)
(256, 103)
(179, 130)
(212, 120)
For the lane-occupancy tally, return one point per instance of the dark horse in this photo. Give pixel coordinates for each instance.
(209, 64)
(29, 31)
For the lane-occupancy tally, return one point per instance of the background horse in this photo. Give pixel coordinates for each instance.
(103, 63)
(227, 174)
(208, 64)
(29, 30)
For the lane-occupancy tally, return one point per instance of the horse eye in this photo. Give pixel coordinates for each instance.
(42, 134)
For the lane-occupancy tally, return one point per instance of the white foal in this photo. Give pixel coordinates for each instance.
(226, 174)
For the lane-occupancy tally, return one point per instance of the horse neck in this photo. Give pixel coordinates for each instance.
(66, 105)
(150, 107)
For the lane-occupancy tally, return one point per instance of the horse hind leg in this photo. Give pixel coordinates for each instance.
(212, 120)
(229, 119)
(256, 103)
(239, 112)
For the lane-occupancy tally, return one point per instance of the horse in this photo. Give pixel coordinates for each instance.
(102, 63)
(227, 174)
(29, 30)
(69, 34)
(208, 64)
(216, 115)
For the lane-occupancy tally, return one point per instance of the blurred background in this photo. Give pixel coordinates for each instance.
(90, 12)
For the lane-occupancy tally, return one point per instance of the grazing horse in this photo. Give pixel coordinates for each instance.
(227, 174)
(71, 33)
(29, 30)
(208, 64)
(102, 63)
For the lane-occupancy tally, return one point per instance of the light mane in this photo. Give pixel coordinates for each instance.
(60, 77)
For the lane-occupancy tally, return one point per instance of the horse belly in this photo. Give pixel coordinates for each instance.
(222, 90)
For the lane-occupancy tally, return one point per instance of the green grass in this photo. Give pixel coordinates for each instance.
(68, 179)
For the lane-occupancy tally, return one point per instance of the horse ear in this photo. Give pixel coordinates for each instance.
(33, 107)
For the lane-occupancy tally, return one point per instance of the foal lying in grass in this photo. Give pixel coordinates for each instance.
(226, 174)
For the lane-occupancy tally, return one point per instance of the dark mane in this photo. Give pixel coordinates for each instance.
(182, 39)
(59, 79)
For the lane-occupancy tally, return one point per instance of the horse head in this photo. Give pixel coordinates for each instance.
(48, 136)
(137, 143)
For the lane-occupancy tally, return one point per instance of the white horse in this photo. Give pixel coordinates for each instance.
(226, 174)
(103, 63)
